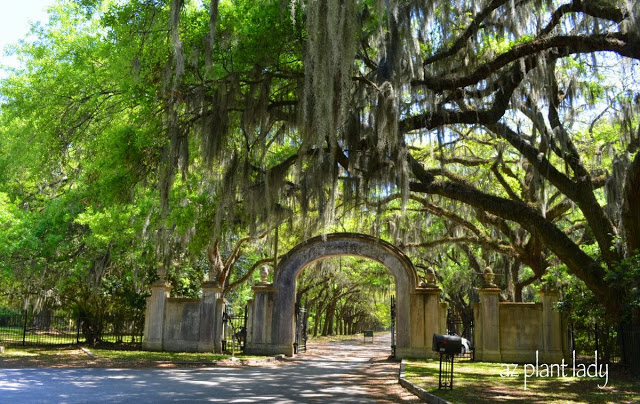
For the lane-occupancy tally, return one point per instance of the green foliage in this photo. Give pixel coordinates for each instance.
(8, 312)
(626, 274)
(346, 295)
(126, 151)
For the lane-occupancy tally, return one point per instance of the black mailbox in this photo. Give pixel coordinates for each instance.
(447, 344)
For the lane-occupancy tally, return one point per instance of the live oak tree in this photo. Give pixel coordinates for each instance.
(522, 113)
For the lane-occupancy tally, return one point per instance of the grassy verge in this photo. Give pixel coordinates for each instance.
(74, 356)
(481, 382)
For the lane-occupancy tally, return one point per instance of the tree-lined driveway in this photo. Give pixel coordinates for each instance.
(349, 371)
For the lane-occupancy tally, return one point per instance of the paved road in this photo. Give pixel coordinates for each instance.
(350, 371)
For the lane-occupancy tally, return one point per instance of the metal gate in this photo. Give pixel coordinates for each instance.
(302, 319)
(464, 329)
(393, 326)
(234, 329)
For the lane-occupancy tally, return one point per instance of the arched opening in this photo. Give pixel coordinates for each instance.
(419, 313)
(343, 244)
(343, 296)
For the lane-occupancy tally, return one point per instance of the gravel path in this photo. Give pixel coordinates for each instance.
(346, 371)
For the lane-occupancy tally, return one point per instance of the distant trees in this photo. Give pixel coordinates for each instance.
(346, 295)
(141, 134)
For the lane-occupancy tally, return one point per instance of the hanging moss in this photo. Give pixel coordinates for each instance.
(361, 61)
(211, 37)
(329, 55)
(178, 51)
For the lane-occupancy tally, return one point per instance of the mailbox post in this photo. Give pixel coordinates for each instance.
(448, 346)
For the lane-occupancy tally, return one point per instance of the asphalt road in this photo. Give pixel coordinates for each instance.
(349, 372)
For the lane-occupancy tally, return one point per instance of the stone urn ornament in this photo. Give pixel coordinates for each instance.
(214, 275)
(489, 276)
(264, 274)
(429, 278)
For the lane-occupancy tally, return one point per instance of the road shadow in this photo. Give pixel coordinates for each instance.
(334, 372)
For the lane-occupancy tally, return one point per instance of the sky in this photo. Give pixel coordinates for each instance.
(14, 22)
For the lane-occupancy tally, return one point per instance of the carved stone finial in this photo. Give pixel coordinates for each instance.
(214, 274)
(430, 277)
(264, 274)
(489, 276)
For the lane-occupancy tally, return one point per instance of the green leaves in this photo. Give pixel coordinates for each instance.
(108, 109)
(13, 232)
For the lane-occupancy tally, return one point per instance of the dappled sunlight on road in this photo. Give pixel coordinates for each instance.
(345, 371)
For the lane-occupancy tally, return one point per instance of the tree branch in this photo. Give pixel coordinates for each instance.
(250, 272)
(623, 44)
(468, 33)
(498, 247)
(578, 262)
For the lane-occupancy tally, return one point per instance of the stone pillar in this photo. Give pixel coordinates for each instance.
(487, 332)
(425, 321)
(552, 329)
(488, 348)
(210, 318)
(154, 316)
(260, 321)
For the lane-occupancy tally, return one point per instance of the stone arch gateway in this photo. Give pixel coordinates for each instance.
(419, 311)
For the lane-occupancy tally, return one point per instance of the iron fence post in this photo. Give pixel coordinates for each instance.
(24, 329)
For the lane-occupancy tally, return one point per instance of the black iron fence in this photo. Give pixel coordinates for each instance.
(50, 329)
(614, 344)
(302, 321)
(629, 346)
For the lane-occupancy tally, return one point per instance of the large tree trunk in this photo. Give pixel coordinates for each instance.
(329, 319)
(631, 206)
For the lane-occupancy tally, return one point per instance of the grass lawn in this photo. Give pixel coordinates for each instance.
(74, 356)
(481, 382)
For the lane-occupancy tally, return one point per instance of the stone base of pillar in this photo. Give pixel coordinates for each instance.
(555, 356)
(488, 356)
(269, 349)
(152, 345)
(417, 353)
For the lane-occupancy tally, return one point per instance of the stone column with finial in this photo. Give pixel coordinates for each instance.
(261, 315)
(487, 315)
(428, 315)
